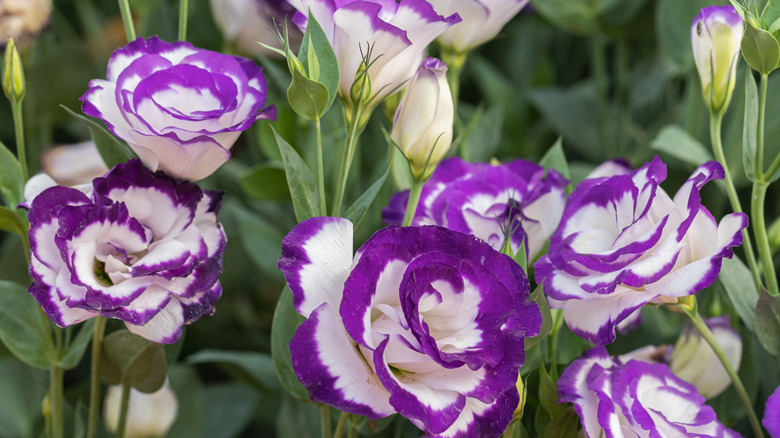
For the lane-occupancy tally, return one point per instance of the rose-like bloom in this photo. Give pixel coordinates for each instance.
(716, 36)
(635, 399)
(247, 22)
(148, 415)
(424, 321)
(771, 419)
(141, 247)
(179, 108)
(422, 127)
(395, 33)
(623, 242)
(481, 21)
(488, 201)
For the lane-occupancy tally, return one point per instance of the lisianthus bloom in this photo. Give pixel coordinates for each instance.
(716, 35)
(74, 164)
(519, 198)
(179, 108)
(422, 127)
(423, 321)
(635, 398)
(148, 415)
(141, 247)
(771, 419)
(623, 242)
(396, 34)
(481, 21)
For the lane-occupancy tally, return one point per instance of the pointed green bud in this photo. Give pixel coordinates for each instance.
(13, 74)
(361, 86)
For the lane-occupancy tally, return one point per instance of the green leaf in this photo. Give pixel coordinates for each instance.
(760, 49)
(10, 221)
(255, 368)
(23, 392)
(738, 283)
(750, 127)
(260, 240)
(520, 256)
(768, 322)
(554, 158)
(358, 209)
(327, 63)
(24, 329)
(303, 186)
(78, 346)
(673, 20)
(307, 98)
(265, 182)
(548, 392)
(286, 321)
(676, 142)
(540, 299)
(564, 426)
(127, 358)
(11, 184)
(231, 407)
(771, 12)
(112, 150)
(574, 16)
(484, 136)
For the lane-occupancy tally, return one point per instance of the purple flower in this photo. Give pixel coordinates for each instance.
(141, 247)
(423, 321)
(771, 419)
(716, 35)
(623, 242)
(179, 108)
(482, 20)
(637, 399)
(395, 33)
(486, 200)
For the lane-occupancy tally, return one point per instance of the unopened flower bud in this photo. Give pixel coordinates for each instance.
(13, 74)
(148, 415)
(361, 86)
(422, 128)
(715, 37)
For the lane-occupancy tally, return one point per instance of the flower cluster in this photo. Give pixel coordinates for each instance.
(519, 198)
(423, 321)
(623, 242)
(140, 246)
(178, 107)
(635, 398)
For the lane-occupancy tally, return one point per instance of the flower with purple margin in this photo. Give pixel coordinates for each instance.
(771, 419)
(422, 321)
(716, 35)
(179, 108)
(396, 34)
(635, 399)
(482, 20)
(489, 201)
(141, 247)
(623, 242)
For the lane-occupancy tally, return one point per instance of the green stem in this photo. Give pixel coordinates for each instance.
(120, 428)
(414, 199)
(320, 166)
(127, 19)
(717, 148)
(94, 390)
(760, 125)
(21, 150)
(698, 323)
(623, 110)
(183, 7)
(56, 375)
(598, 63)
(352, 432)
(341, 425)
(762, 240)
(325, 421)
(557, 317)
(353, 132)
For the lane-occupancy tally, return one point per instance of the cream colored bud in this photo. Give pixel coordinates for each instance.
(148, 415)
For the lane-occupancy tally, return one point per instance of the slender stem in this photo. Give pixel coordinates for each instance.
(21, 150)
(120, 428)
(56, 375)
(94, 390)
(352, 432)
(760, 125)
(762, 240)
(716, 120)
(320, 166)
(353, 132)
(414, 199)
(455, 62)
(325, 421)
(127, 19)
(183, 7)
(557, 317)
(698, 323)
(598, 62)
(341, 425)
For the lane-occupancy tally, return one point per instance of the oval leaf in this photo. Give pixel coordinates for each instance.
(130, 359)
(303, 187)
(11, 184)
(24, 329)
(286, 321)
(760, 49)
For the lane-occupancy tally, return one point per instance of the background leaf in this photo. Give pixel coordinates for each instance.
(24, 329)
(11, 184)
(286, 321)
(303, 187)
(112, 150)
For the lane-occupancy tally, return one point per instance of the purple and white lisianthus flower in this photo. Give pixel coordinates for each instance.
(771, 420)
(489, 201)
(179, 108)
(623, 242)
(422, 321)
(141, 247)
(482, 21)
(635, 399)
(396, 33)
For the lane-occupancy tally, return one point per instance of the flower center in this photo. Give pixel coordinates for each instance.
(100, 273)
